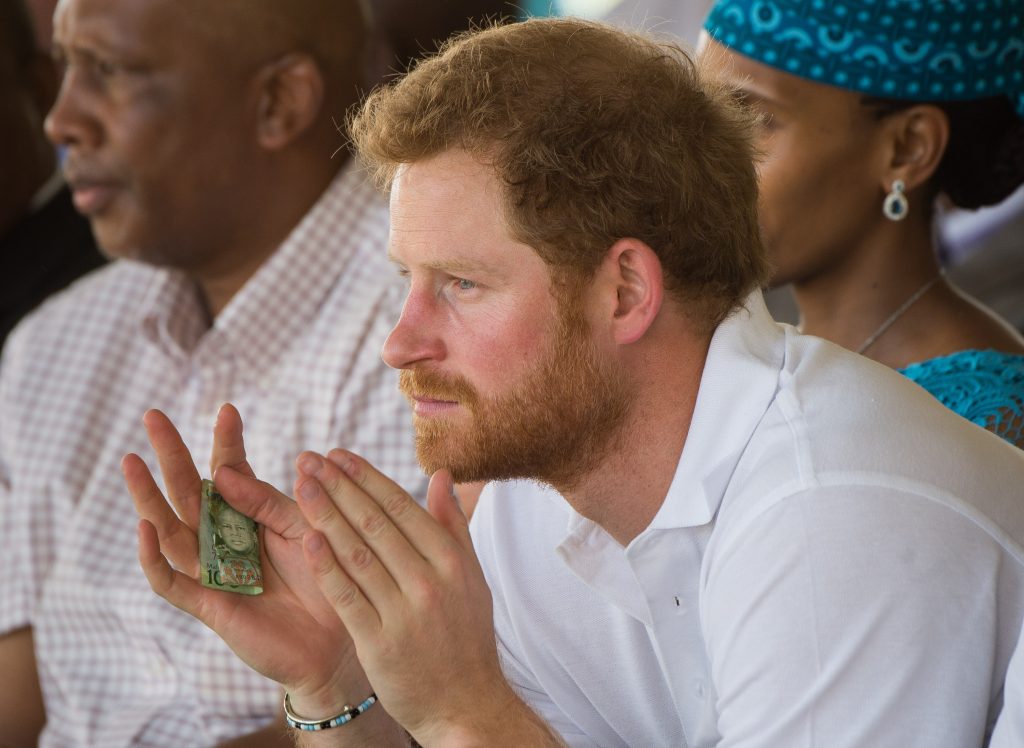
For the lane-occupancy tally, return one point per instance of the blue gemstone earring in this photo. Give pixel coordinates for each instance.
(896, 206)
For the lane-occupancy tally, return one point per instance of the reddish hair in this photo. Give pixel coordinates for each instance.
(595, 134)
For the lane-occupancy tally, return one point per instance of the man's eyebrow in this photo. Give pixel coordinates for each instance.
(453, 265)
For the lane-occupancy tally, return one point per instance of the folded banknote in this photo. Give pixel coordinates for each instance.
(229, 546)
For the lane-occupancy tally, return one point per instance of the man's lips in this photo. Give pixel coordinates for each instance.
(92, 197)
(427, 406)
(93, 186)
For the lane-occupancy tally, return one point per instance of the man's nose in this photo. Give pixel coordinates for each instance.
(70, 122)
(416, 337)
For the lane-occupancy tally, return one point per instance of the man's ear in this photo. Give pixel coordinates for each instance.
(291, 96)
(918, 137)
(632, 279)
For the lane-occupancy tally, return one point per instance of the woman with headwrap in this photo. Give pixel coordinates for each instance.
(870, 110)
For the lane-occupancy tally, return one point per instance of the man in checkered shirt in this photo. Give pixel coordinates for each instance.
(199, 141)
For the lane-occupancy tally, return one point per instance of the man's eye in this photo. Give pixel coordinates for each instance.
(465, 285)
(101, 67)
(106, 68)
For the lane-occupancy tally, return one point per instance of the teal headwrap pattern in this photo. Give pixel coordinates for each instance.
(921, 50)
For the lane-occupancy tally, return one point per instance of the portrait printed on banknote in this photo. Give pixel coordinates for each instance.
(229, 546)
(237, 547)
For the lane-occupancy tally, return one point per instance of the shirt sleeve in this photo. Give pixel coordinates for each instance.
(535, 697)
(850, 617)
(1009, 732)
(516, 673)
(26, 539)
(15, 576)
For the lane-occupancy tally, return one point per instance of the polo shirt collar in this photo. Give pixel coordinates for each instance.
(173, 318)
(739, 382)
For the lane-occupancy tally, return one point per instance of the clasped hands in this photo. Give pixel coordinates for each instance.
(364, 589)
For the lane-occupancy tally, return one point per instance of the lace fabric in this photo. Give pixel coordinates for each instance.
(985, 387)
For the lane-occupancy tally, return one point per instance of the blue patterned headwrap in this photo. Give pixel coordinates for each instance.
(919, 50)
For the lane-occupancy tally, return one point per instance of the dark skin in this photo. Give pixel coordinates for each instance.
(255, 131)
(829, 162)
(252, 88)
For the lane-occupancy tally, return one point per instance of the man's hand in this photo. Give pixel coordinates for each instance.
(290, 633)
(408, 586)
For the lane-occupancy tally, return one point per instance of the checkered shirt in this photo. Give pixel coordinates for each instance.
(297, 350)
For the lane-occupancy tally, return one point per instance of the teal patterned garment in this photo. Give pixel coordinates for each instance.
(986, 387)
(918, 50)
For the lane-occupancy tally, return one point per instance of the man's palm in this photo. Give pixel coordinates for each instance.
(291, 600)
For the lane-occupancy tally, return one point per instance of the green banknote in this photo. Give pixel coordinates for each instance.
(229, 546)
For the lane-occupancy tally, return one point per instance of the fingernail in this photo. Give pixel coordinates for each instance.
(310, 464)
(309, 489)
(342, 460)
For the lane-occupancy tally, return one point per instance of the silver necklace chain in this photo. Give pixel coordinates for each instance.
(882, 328)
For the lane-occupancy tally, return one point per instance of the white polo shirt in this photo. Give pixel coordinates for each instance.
(839, 561)
(1009, 732)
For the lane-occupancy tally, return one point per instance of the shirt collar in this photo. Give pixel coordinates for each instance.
(173, 317)
(739, 382)
(283, 296)
(740, 379)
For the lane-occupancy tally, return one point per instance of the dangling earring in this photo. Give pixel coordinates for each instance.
(896, 206)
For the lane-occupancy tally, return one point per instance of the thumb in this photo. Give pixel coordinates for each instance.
(228, 443)
(444, 507)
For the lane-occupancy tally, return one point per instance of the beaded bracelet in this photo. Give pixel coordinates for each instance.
(348, 713)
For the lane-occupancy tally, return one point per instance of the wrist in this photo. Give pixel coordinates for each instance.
(345, 715)
(373, 727)
(500, 718)
(324, 701)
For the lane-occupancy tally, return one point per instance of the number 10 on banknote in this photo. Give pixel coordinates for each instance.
(229, 546)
